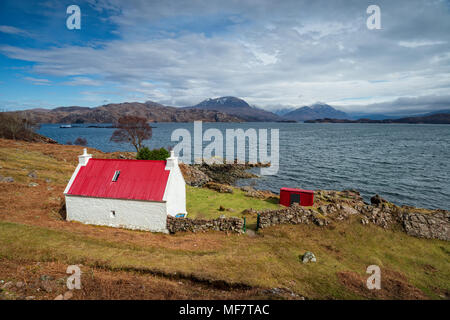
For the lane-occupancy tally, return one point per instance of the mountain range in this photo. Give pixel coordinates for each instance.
(434, 118)
(110, 113)
(316, 111)
(223, 109)
(237, 107)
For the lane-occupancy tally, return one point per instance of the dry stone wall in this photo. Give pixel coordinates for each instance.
(233, 225)
(430, 226)
(290, 215)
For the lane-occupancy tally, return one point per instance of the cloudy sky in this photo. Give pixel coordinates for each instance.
(273, 54)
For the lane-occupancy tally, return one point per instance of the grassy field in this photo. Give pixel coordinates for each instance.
(32, 232)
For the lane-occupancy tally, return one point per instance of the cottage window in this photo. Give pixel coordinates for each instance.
(113, 213)
(116, 176)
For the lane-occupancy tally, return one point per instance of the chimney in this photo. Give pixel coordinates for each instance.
(172, 161)
(84, 158)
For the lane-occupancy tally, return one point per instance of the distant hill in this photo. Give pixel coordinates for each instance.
(372, 116)
(152, 111)
(437, 112)
(438, 118)
(236, 107)
(316, 111)
(282, 111)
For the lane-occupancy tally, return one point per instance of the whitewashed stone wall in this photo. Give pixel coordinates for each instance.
(130, 214)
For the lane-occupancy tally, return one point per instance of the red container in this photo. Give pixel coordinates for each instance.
(289, 196)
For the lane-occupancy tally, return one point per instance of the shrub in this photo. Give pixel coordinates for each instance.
(12, 126)
(155, 154)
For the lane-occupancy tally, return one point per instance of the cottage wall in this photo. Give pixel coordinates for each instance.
(130, 214)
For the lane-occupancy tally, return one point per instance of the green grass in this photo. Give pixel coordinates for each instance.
(205, 203)
(270, 260)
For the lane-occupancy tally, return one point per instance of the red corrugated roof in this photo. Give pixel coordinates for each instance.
(296, 190)
(138, 179)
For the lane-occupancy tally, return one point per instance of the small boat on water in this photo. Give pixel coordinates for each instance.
(64, 126)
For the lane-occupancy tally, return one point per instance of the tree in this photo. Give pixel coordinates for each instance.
(155, 154)
(132, 129)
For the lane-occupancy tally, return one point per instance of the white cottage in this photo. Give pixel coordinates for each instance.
(133, 194)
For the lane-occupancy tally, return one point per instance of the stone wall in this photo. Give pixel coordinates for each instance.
(430, 226)
(234, 225)
(290, 215)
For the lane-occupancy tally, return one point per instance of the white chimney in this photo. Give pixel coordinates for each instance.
(84, 158)
(172, 161)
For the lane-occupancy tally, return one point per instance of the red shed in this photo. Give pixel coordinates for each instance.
(289, 196)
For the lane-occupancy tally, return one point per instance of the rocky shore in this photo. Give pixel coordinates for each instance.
(329, 206)
(334, 206)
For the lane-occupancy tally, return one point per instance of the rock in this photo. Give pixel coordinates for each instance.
(364, 221)
(45, 277)
(46, 286)
(435, 225)
(193, 176)
(250, 233)
(30, 298)
(347, 210)
(376, 200)
(33, 184)
(8, 285)
(247, 188)
(32, 174)
(121, 156)
(48, 180)
(323, 210)
(222, 188)
(249, 211)
(7, 179)
(309, 257)
(225, 224)
(19, 284)
(60, 297)
(68, 295)
(259, 194)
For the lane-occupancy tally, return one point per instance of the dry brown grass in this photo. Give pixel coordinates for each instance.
(47, 280)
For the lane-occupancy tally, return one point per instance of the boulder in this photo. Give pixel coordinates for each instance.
(222, 188)
(6, 179)
(308, 257)
(377, 200)
(193, 176)
(32, 174)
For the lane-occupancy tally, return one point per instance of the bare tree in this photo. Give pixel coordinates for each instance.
(132, 129)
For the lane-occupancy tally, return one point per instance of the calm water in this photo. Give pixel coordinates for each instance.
(406, 164)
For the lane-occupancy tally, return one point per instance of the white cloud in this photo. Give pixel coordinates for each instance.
(83, 81)
(13, 30)
(416, 44)
(38, 81)
(272, 53)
